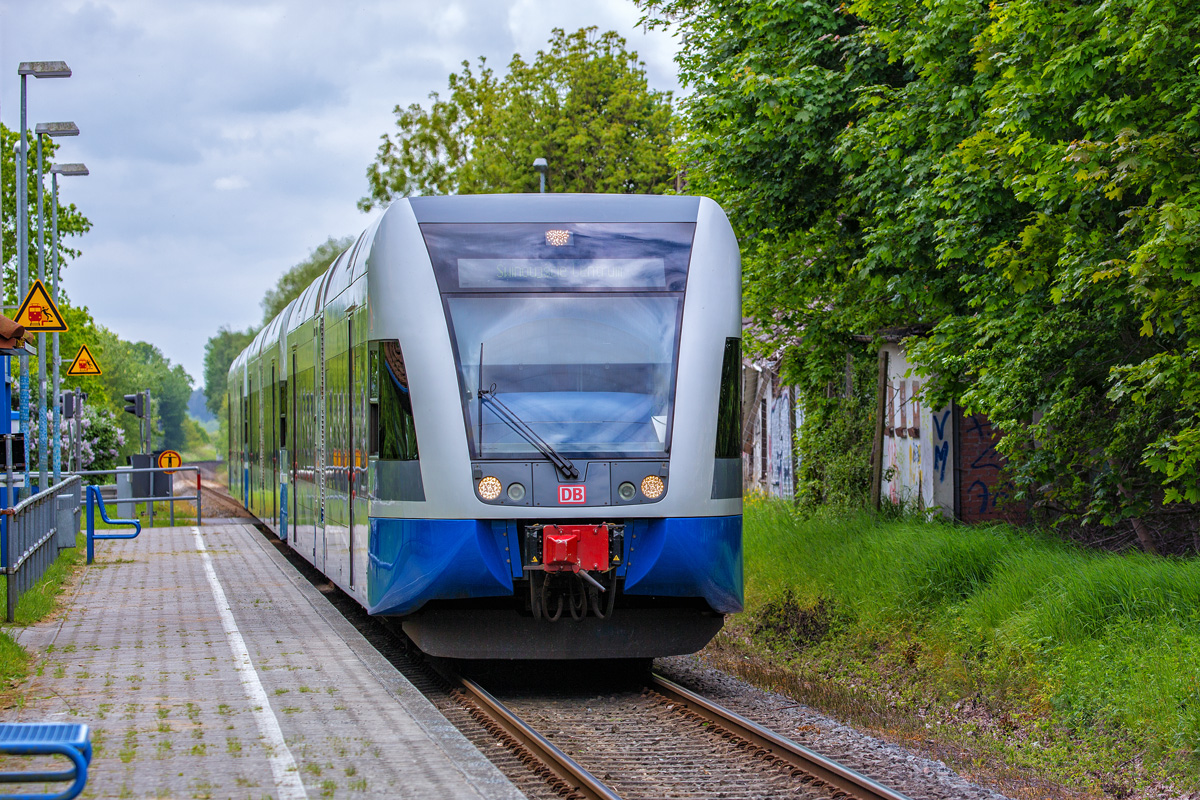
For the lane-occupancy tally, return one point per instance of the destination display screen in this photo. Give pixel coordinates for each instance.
(567, 273)
(649, 256)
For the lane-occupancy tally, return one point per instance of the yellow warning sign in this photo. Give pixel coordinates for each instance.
(84, 364)
(168, 459)
(38, 312)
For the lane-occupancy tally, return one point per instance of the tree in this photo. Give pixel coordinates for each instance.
(584, 105)
(219, 353)
(1019, 178)
(70, 221)
(297, 279)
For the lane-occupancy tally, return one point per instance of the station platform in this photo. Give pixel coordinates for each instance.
(208, 668)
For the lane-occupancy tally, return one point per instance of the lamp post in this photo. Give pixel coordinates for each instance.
(55, 171)
(38, 69)
(52, 129)
(540, 165)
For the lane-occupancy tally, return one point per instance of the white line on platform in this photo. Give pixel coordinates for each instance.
(283, 766)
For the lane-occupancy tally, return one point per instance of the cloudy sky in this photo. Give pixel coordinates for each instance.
(228, 138)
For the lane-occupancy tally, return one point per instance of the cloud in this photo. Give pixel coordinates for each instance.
(230, 183)
(227, 138)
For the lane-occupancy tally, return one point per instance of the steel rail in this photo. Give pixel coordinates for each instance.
(562, 765)
(842, 778)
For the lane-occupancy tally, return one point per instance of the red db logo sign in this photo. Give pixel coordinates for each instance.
(572, 494)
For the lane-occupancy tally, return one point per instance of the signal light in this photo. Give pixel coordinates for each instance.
(652, 487)
(489, 488)
(135, 404)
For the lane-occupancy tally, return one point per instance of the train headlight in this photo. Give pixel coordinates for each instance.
(626, 491)
(516, 492)
(652, 487)
(489, 487)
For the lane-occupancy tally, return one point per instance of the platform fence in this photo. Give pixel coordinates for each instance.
(30, 539)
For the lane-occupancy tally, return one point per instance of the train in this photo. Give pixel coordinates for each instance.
(511, 424)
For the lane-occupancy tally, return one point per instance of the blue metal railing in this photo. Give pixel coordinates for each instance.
(31, 538)
(94, 499)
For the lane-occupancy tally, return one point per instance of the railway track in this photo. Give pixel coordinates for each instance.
(647, 738)
(753, 762)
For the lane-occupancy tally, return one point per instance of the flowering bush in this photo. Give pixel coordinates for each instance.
(101, 444)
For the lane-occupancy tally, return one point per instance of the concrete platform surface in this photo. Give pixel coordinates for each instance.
(208, 668)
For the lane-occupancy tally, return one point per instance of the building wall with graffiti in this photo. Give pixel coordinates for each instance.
(942, 458)
(770, 418)
(918, 442)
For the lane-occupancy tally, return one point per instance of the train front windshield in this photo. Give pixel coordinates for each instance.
(570, 331)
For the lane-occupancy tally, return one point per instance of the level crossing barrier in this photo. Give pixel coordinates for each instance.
(67, 739)
(31, 536)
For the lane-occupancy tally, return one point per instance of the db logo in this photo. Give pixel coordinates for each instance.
(572, 494)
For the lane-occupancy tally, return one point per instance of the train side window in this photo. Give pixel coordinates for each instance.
(373, 401)
(397, 431)
(729, 405)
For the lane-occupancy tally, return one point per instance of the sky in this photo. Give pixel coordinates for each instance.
(227, 139)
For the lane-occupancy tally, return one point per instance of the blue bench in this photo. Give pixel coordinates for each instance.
(47, 739)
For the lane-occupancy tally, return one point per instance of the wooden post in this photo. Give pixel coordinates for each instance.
(877, 446)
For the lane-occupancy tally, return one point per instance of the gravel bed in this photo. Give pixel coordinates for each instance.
(891, 765)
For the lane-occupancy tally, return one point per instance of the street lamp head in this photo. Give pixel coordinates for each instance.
(44, 69)
(540, 165)
(57, 128)
(67, 170)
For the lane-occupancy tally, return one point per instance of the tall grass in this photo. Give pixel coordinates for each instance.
(1113, 639)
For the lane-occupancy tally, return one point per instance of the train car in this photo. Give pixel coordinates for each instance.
(512, 422)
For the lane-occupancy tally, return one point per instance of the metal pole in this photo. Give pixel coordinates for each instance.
(43, 459)
(149, 420)
(23, 272)
(57, 361)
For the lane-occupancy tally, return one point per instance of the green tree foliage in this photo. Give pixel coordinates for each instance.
(219, 353)
(584, 105)
(297, 279)
(133, 366)
(70, 221)
(1019, 176)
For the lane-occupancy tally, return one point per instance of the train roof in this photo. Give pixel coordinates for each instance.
(555, 208)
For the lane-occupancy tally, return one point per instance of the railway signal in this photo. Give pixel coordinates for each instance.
(136, 404)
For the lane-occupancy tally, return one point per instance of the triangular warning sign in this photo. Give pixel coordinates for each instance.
(38, 312)
(84, 364)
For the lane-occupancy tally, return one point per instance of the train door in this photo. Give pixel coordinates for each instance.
(273, 454)
(351, 454)
(321, 460)
(294, 511)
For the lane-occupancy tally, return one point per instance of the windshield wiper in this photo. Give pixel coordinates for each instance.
(506, 415)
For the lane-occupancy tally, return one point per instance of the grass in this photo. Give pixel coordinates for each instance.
(34, 605)
(1005, 646)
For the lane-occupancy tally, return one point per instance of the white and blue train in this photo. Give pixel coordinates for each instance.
(513, 423)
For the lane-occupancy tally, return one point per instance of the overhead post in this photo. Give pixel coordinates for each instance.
(56, 170)
(38, 69)
(52, 129)
(540, 165)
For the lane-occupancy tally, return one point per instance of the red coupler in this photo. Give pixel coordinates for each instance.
(575, 547)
